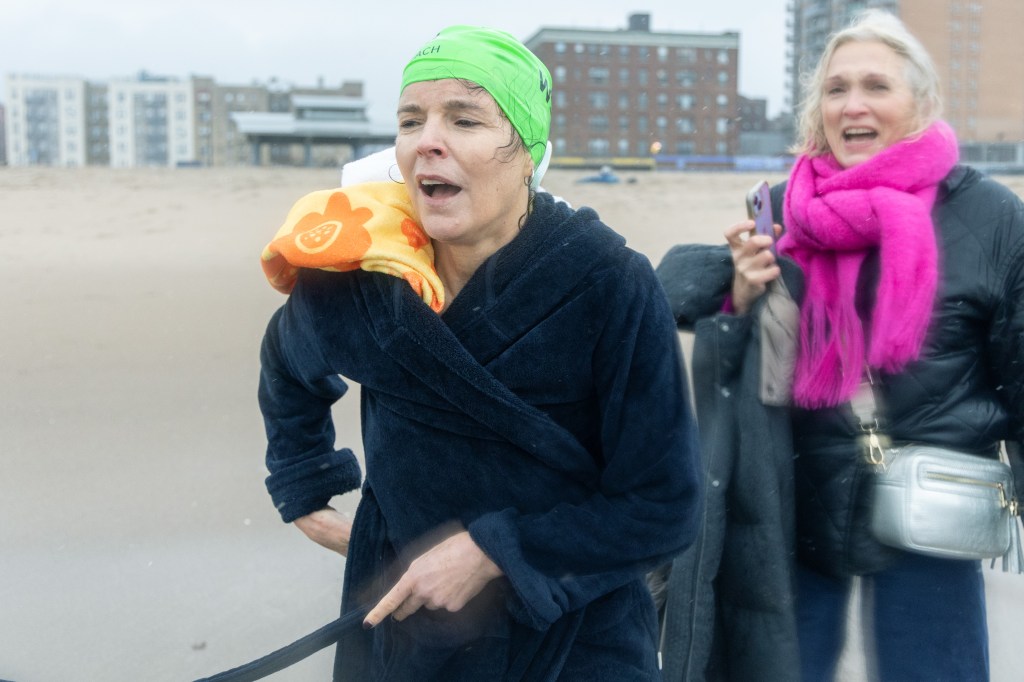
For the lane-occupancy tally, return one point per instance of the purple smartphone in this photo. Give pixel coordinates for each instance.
(759, 209)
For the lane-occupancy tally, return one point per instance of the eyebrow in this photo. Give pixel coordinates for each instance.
(870, 74)
(454, 104)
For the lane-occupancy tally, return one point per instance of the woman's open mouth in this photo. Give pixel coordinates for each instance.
(436, 189)
(859, 134)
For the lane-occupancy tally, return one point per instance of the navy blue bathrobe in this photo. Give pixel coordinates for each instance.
(546, 411)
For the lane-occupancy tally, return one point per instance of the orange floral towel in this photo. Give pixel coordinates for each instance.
(364, 226)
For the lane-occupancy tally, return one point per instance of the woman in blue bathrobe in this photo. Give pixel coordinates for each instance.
(529, 447)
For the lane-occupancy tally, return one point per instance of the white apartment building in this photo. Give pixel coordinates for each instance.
(46, 120)
(151, 122)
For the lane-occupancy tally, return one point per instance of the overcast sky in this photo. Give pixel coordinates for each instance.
(300, 41)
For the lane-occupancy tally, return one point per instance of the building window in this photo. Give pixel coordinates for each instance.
(623, 50)
(624, 76)
(684, 125)
(723, 77)
(598, 100)
(559, 48)
(661, 123)
(598, 75)
(598, 124)
(723, 56)
(580, 48)
(684, 148)
(662, 53)
(662, 100)
(641, 77)
(559, 74)
(643, 52)
(722, 101)
(598, 147)
(662, 76)
(685, 102)
(559, 99)
(641, 101)
(623, 146)
(686, 79)
(722, 126)
(624, 122)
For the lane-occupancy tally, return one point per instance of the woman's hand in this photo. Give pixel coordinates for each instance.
(327, 527)
(446, 577)
(753, 264)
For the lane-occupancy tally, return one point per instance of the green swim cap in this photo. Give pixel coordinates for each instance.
(500, 64)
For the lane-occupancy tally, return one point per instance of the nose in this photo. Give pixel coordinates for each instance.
(855, 103)
(432, 141)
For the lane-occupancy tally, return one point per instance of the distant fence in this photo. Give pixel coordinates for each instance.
(994, 158)
(676, 162)
(618, 162)
(1006, 158)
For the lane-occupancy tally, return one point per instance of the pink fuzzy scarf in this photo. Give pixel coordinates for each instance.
(834, 216)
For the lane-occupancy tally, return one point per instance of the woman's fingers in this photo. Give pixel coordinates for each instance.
(754, 264)
(446, 577)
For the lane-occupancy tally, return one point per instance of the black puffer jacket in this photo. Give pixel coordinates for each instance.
(966, 391)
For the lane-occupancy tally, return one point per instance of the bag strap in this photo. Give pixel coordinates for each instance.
(864, 404)
(294, 652)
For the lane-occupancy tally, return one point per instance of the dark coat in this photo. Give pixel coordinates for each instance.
(729, 610)
(546, 411)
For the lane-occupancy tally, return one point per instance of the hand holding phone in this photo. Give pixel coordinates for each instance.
(759, 209)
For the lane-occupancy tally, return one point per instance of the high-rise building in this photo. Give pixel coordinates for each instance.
(151, 122)
(629, 93)
(45, 120)
(979, 54)
(975, 44)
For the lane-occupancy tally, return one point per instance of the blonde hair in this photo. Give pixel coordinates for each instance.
(871, 26)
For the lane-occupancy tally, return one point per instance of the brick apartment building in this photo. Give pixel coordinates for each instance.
(620, 96)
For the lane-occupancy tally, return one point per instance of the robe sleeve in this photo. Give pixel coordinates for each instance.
(645, 504)
(296, 392)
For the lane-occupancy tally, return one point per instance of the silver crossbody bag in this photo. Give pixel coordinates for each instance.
(937, 501)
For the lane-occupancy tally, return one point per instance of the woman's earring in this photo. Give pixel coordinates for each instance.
(400, 180)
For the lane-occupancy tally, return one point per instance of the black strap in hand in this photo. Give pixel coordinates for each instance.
(292, 653)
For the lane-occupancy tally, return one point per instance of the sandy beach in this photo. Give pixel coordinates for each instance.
(137, 540)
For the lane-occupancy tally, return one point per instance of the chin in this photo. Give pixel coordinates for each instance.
(441, 229)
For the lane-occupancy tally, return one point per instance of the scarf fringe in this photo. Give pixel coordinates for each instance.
(834, 217)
